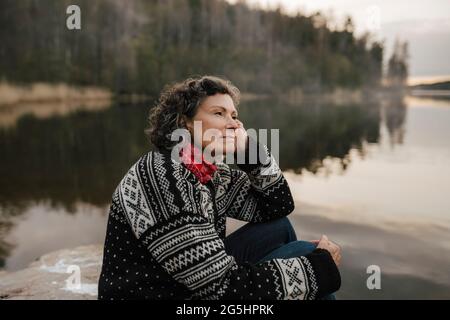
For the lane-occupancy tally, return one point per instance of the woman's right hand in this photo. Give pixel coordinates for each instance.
(331, 247)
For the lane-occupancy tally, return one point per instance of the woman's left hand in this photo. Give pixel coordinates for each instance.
(330, 246)
(241, 137)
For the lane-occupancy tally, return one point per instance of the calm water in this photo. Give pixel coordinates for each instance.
(375, 178)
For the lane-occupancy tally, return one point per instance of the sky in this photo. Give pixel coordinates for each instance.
(425, 24)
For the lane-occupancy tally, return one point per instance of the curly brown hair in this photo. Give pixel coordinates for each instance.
(181, 100)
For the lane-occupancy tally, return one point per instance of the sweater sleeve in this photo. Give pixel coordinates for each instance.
(191, 252)
(259, 192)
(167, 214)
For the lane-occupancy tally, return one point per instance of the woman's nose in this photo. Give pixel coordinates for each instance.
(232, 124)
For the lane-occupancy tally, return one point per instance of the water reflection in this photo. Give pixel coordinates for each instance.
(414, 260)
(79, 157)
(82, 156)
(10, 114)
(311, 132)
(360, 173)
(394, 113)
(43, 228)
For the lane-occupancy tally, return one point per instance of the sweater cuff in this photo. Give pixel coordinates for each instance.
(252, 154)
(327, 274)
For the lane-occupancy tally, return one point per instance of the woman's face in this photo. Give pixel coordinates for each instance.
(219, 121)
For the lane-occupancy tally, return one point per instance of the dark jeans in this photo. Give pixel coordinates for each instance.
(257, 242)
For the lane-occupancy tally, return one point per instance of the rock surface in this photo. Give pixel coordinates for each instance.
(69, 274)
(54, 275)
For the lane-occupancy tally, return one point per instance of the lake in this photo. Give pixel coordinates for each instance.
(374, 177)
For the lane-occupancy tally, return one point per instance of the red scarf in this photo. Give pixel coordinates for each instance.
(204, 171)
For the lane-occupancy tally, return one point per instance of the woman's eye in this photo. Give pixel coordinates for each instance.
(218, 113)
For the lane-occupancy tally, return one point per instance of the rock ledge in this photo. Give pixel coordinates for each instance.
(69, 274)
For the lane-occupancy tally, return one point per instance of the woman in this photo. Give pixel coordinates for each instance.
(166, 230)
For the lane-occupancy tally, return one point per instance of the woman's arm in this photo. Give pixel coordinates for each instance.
(164, 209)
(190, 251)
(258, 192)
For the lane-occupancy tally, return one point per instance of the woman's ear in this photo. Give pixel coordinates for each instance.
(186, 123)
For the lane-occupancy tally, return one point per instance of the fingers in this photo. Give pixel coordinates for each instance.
(239, 122)
(323, 241)
(336, 254)
(331, 247)
(241, 138)
(335, 247)
(337, 260)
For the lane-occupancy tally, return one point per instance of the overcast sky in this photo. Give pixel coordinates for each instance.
(425, 24)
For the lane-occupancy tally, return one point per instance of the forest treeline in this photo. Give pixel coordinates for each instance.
(137, 46)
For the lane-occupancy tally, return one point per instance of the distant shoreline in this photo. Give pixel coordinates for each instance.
(12, 94)
(426, 80)
(432, 90)
(430, 93)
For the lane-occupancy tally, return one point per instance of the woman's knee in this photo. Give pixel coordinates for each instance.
(293, 249)
(284, 226)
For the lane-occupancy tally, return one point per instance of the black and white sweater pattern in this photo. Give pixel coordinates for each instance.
(165, 235)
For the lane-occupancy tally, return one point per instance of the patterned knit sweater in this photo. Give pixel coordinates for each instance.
(165, 233)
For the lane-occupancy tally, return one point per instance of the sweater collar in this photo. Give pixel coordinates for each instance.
(202, 169)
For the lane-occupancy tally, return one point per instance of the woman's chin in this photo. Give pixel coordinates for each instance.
(223, 149)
